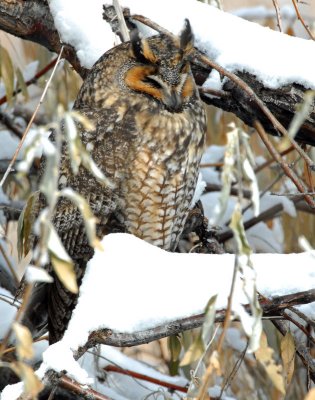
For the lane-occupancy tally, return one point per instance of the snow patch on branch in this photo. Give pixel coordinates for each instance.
(276, 59)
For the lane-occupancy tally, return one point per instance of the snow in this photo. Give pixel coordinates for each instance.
(11, 143)
(200, 187)
(36, 274)
(113, 272)
(250, 48)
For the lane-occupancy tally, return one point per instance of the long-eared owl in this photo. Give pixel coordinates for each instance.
(148, 140)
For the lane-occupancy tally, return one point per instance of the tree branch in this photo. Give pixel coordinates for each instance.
(271, 308)
(33, 21)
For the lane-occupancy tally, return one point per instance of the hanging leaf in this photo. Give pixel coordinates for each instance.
(174, 346)
(227, 174)
(32, 385)
(88, 217)
(237, 227)
(274, 371)
(194, 352)
(21, 83)
(288, 356)
(25, 224)
(24, 345)
(74, 142)
(302, 113)
(7, 73)
(208, 324)
(65, 273)
(62, 263)
(310, 395)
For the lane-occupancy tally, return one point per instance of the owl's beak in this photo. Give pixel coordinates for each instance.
(173, 100)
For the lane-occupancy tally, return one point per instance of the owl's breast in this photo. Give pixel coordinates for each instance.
(163, 170)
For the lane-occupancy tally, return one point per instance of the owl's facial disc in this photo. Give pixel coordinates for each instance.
(162, 69)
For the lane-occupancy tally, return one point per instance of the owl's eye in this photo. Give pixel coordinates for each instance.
(184, 67)
(152, 82)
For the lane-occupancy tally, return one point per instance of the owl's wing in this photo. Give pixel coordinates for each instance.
(109, 145)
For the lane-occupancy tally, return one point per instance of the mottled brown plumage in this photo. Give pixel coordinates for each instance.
(148, 139)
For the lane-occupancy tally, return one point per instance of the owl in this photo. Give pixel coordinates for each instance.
(148, 138)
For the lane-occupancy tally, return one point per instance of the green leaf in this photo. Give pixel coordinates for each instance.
(174, 346)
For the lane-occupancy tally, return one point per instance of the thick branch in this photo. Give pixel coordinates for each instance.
(32, 20)
(271, 308)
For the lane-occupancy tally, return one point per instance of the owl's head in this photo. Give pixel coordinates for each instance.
(161, 68)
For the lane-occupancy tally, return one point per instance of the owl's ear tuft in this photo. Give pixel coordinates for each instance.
(187, 38)
(141, 49)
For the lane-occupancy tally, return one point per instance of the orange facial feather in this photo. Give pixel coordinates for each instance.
(134, 79)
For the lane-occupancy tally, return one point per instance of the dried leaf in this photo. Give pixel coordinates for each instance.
(227, 174)
(24, 341)
(194, 352)
(21, 83)
(310, 395)
(32, 385)
(84, 121)
(61, 261)
(25, 224)
(208, 324)
(74, 143)
(288, 356)
(302, 113)
(274, 371)
(237, 227)
(88, 217)
(65, 273)
(7, 72)
(250, 175)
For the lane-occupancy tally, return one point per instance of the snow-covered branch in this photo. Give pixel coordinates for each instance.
(276, 66)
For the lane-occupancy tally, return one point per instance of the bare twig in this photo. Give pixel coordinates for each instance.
(272, 160)
(75, 387)
(287, 170)
(300, 18)
(279, 23)
(136, 375)
(31, 120)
